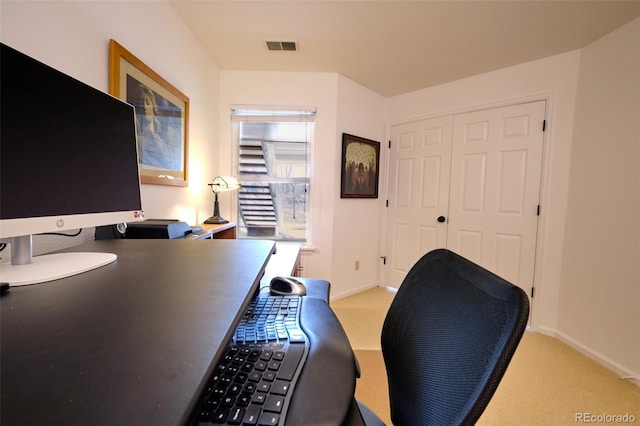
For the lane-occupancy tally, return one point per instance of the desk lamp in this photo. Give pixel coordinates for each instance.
(221, 184)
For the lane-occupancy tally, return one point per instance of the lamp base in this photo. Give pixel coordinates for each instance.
(216, 220)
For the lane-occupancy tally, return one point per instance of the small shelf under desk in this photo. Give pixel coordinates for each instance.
(284, 262)
(225, 231)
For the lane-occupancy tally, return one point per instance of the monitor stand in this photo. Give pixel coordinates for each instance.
(26, 269)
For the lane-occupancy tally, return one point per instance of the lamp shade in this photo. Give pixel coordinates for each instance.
(221, 184)
(224, 183)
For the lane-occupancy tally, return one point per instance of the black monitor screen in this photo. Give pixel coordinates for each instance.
(65, 147)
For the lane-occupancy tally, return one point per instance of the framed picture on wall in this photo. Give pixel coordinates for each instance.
(360, 167)
(162, 115)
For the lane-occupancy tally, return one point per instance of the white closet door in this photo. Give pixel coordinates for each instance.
(480, 173)
(495, 189)
(419, 161)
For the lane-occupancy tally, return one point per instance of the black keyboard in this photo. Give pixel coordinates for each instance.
(253, 382)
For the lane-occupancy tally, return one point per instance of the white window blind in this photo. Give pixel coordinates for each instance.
(274, 169)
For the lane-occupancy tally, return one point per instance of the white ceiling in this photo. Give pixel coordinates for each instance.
(396, 46)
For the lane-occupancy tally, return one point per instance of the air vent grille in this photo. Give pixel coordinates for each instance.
(291, 46)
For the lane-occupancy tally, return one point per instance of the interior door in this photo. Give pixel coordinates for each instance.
(419, 161)
(479, 174)
(495, 189)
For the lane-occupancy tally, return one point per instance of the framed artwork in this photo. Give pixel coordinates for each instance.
(360, 167)
(162, 115)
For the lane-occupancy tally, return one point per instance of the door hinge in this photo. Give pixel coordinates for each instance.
(384, 259)
(544, 125)
(389, 144)
(387, 203)
(532, 291)
(538, 211)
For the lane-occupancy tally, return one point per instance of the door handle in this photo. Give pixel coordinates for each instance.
(442, 219)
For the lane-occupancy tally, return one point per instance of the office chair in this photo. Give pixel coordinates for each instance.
(447, 340)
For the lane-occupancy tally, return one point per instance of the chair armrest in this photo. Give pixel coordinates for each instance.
(326, 387)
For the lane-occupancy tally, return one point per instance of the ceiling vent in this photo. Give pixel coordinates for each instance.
(291, 46)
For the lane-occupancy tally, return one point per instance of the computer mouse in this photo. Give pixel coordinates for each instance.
(287, 286)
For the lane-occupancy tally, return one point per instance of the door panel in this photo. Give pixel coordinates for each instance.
(419, 162)
(473, 181)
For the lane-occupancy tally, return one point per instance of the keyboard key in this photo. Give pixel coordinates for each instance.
(273, 365)
(234, 389)
(269, 376)
(205, 415)
(251, 416)
(280, 387)
(220, 416)
(296, 336)
(211, 405)
(274, 404)
(218, 393)
(241, 377)
(268, 419)
(227, 401)
(291, 361)
(255, 376)
(235, 416)
(266, 355)
(244, 400)
(259, 398)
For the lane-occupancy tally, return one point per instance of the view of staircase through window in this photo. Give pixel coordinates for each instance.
(273, 167)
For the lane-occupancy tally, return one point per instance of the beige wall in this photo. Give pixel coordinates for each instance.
(599, 303)
(357, 221)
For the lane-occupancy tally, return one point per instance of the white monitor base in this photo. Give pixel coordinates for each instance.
(51, 267)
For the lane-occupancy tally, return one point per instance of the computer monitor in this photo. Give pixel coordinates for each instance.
(68, 160)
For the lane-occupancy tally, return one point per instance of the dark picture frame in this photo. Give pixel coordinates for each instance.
(162, 117)
(360, 167)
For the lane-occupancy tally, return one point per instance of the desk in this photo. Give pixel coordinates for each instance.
(131, 342)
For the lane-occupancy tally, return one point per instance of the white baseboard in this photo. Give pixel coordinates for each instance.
(544, 330)
(622, 371)
(353, 291)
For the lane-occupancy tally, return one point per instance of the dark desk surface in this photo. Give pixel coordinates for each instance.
(129, 343)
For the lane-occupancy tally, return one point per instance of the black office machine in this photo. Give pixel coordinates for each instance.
(157, 228)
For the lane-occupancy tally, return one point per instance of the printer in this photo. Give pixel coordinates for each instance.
(158, 228)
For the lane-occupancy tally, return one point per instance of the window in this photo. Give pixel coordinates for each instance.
(273, 167)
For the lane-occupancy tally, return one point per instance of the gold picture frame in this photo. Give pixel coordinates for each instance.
(162, 117)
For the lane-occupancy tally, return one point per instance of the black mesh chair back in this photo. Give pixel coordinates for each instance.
(447, 340)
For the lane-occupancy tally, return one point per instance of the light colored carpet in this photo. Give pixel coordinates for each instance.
(362, 315)
(547, 382)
